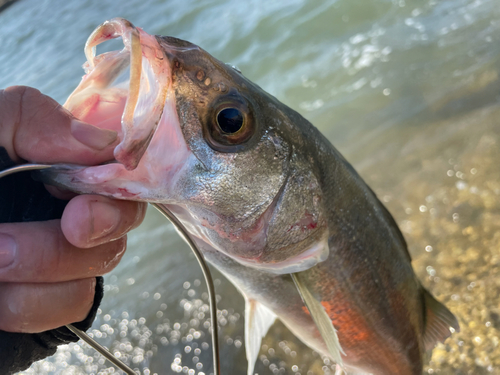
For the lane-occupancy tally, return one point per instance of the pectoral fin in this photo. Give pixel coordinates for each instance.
(320, 317)
(258, 320)
(438, 321)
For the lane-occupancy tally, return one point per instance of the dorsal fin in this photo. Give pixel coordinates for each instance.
(438, 321)
(258, 320)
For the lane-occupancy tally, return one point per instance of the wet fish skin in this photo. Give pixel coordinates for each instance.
(254, 175)
(282, 200)
(367, 283)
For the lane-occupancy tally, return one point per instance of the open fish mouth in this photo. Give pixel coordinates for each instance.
(129, 91)
(129, 101)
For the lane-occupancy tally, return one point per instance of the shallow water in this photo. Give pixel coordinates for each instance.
(408, 91)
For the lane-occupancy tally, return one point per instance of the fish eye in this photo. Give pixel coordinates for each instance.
(230, 120)
(230, 125)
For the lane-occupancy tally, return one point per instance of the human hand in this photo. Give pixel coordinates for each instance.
(48, 268)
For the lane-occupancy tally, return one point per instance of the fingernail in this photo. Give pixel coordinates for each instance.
(8, 250)
(92, 136)
(105, 218)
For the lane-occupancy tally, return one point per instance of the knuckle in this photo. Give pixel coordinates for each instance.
(18, 91)
(16, 310)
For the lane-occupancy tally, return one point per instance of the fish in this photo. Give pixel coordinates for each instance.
(264, 195)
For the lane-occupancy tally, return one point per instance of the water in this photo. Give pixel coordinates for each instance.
(407, 90)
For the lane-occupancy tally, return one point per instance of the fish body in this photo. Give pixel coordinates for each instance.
(262, 193)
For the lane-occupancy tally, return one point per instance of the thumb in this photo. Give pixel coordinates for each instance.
(34, 127)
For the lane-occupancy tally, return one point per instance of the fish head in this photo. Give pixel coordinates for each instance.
(195, 135)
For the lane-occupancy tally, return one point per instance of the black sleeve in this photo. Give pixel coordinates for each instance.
(23, 199)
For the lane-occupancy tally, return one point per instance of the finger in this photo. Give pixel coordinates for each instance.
(38, 252)
(91, 220)
(36, 128)
(34, 308)
(60, 193)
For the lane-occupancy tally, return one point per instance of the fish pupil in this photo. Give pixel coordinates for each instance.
(230, 120)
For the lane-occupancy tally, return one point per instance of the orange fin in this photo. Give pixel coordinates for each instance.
(438, 321)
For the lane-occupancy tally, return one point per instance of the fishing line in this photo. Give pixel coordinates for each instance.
(199, 257)
(208, 279)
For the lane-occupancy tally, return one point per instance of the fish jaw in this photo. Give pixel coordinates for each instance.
(153, 180)
(138, 103)
(134, 107)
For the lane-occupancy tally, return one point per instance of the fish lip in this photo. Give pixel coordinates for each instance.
(140, 105)
(112, 28)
